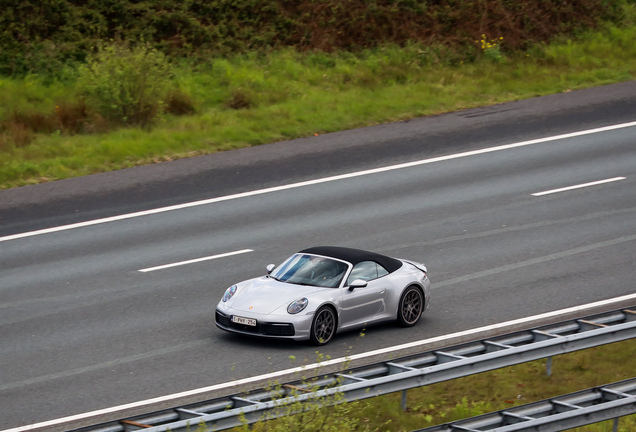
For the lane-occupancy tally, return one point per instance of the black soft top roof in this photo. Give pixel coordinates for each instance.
(354, 256)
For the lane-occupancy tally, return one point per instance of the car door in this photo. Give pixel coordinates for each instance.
(360, 305)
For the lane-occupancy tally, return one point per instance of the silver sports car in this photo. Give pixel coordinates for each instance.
(321, 291)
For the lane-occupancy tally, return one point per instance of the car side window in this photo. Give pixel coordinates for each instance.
(381, 270)
(365, 270)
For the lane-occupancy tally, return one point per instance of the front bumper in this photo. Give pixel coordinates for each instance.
(267, 329)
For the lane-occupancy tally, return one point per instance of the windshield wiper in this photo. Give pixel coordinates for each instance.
(297, 283)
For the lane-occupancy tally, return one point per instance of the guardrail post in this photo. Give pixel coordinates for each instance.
(404, 401)
(548, 366)
(615, 426)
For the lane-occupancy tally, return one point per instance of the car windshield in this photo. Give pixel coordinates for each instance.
(304, 269)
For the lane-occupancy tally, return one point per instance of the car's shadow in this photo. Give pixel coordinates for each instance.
(356, 340)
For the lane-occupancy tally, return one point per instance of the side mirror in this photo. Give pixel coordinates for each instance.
(358, 283)
(270, 268)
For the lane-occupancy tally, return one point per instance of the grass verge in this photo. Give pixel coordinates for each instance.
(255, 99)
(479, 394)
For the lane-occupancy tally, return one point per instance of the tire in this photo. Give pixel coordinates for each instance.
(323, 326)
(410, 307)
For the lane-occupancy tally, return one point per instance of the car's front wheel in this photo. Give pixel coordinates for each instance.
(410, 307)
(323, 326)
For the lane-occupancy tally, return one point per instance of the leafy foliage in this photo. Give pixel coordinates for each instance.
(127, 85)
(44, 35)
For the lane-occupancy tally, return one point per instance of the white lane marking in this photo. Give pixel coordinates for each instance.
(242, 251)
(304, 369)
(313, 182)
(578, 186)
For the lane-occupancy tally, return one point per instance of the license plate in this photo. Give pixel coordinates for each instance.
(244, 321)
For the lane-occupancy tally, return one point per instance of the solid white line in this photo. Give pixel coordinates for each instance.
(149, 269)
(304, 369)
(579, 186)
(313, 182)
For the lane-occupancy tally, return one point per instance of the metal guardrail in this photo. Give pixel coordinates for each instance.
(556, 414)
(388, 377)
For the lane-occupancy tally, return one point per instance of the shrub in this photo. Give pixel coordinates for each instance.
(42, 36)
(126, 84)
(14, 134)
(33, 121)
(179, 103)
(71, 117)
(239, 100)
(19, 129)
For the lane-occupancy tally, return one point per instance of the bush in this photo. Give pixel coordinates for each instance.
(71, 117)
(14, 134)
(179, 103)
(43, 36)
(126, 85)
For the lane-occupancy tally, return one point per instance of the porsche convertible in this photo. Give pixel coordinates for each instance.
(324, 290)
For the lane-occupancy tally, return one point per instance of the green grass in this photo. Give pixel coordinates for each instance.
(290, 95)
(478, 394)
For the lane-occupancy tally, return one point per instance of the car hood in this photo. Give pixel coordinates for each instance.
(264, 295)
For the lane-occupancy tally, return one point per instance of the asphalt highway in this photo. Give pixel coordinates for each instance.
(82, 328)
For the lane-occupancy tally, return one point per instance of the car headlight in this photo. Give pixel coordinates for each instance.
(229, 293)
(297, 306)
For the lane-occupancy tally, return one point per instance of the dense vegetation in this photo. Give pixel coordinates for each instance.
(42, 35)
(91, 86)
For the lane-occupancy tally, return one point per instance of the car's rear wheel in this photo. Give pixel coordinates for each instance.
(410, 307)
(323, 326)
